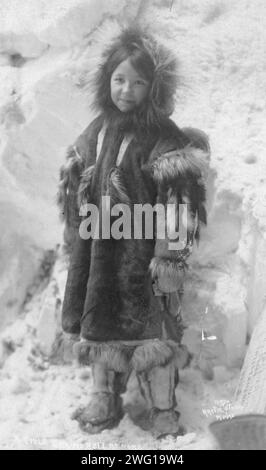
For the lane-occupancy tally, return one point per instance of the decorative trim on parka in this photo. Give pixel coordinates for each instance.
(67, 200)
(84, 189)
(122, 356)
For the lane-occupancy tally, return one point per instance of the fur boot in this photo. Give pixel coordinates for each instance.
(157, 386)
(104, 410)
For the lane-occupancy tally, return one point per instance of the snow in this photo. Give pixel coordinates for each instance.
(45, 52)
(44, 395)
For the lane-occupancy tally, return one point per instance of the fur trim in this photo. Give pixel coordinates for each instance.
(183, 172)
(156, 353)
(171, 268)
(68, 185)
(198, 139)
(85, 185)
(180, 163)
(114, 356)
(160, 353)
(116, 188)
(121, 358)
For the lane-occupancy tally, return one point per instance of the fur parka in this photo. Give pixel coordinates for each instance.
(110, 297)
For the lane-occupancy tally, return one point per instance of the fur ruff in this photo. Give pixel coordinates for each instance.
(160, 103)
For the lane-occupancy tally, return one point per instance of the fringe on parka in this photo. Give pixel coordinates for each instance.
(109, 296)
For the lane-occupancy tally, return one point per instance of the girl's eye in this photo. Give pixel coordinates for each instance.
(119, 80)
(140, 82)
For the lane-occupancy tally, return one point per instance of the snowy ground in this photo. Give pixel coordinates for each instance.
(36, 414)
(38, 396)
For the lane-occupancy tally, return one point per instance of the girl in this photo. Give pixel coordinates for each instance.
(122, 294)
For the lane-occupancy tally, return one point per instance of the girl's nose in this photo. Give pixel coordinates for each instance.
(126, 87)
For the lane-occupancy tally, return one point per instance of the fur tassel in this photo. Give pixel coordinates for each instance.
(165, 267)
(85, 185)
(180, 163)
(114, 356)
(116, 188)
(155, 353)
(69, 181)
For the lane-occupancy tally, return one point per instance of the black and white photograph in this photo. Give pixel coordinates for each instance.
(133, 227)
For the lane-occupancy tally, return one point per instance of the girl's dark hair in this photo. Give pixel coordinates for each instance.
(140, 61)
(154, 63)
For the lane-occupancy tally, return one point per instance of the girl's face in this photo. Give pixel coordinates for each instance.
(128, 88)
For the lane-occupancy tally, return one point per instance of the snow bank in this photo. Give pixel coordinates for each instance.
(221, 47)
(41, 112)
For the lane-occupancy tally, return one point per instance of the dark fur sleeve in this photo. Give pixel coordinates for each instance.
(180, 176)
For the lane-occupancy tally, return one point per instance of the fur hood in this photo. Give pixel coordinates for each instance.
(159, 106)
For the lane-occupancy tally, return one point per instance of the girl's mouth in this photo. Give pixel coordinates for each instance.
(127, 101)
